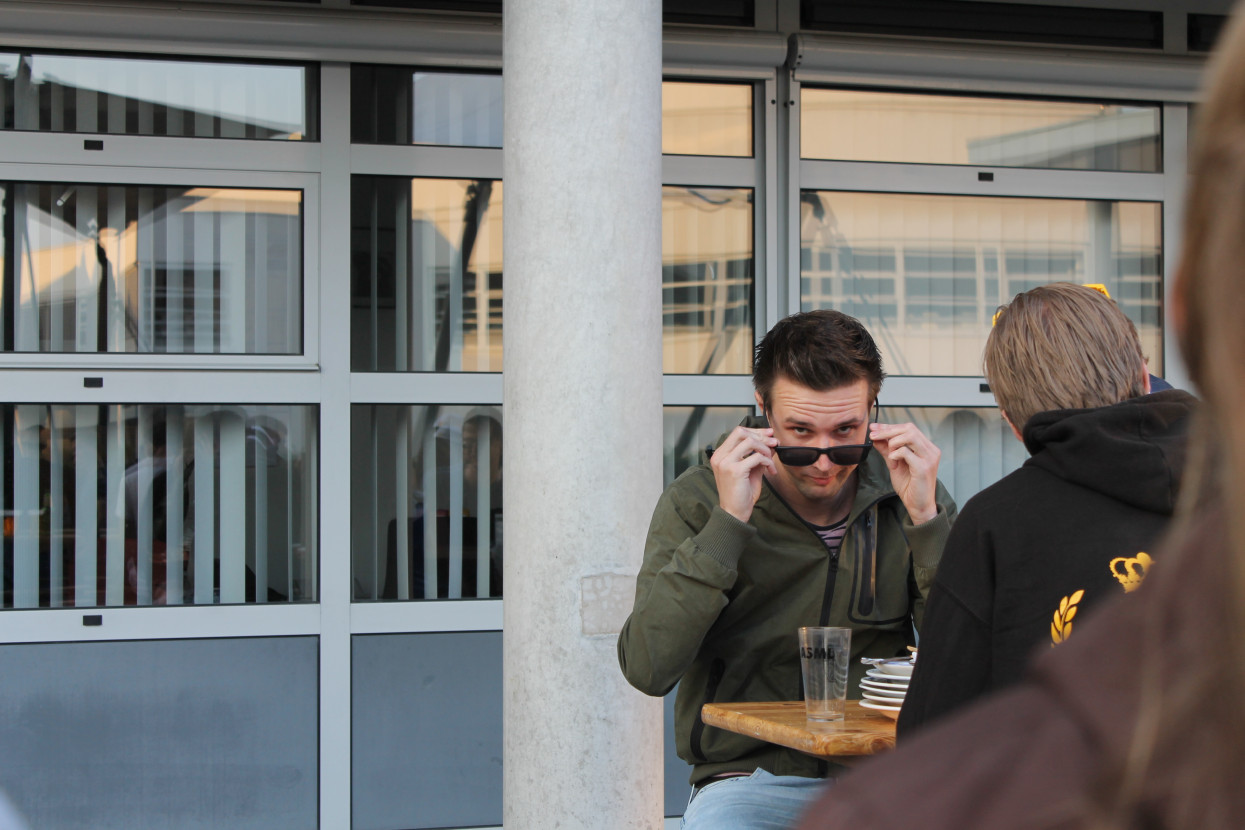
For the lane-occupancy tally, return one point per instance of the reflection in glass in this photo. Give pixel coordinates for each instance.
(426, 275)
(978, 447)
(123, 504)
(855, 125)
(707, 277)
(153, 96)
(185, 270)
(399, 105)
(688, 430)
(699, 119)
(426, 513)
(926, 273)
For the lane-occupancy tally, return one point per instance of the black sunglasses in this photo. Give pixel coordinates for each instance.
(844, 455)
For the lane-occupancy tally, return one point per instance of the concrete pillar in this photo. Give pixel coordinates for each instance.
(582, 205)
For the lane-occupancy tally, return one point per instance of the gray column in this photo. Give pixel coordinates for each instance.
(582, 203)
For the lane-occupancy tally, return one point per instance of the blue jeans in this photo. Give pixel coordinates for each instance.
(759, 801)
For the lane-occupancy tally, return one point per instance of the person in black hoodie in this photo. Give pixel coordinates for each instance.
(1032, 554)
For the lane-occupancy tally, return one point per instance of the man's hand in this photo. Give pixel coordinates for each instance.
(913, 463)
(739, 466)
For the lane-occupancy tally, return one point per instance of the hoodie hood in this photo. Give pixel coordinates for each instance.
(1132, 451)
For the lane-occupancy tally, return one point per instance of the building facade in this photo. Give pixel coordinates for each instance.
(252, 441)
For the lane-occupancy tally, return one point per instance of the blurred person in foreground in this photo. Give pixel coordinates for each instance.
(1137, 721)
(1076, 524)
(809, 516)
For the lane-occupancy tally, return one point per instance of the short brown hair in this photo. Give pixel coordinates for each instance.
(1062, 346)
(821, 349)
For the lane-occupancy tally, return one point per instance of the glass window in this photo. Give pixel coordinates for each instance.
(188, 733)
(410, 461)
(707, 280)
(426, 275)
(137, 269)
(399, 105)
(856, 125)
(426, 730)
(926, 273)
(155, 96)
(978, 447)
(125, 504)
(690, 430)
(706, 119)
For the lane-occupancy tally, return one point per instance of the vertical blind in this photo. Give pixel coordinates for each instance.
(427, 507)
(186, 270)
(124, 504)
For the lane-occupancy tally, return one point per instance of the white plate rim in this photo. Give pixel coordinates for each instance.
(885, 701)
(878, 674)
(886, 693)
(869, 704)
(899, 667)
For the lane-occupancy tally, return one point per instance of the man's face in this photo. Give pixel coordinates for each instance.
(803, 417)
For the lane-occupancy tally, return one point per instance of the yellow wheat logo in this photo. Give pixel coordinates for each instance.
(1061, 624)
(1131, 571)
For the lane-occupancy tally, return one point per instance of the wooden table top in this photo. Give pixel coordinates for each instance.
(861, 732)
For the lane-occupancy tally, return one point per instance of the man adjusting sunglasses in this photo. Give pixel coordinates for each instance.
(812, 515)
(844, 455)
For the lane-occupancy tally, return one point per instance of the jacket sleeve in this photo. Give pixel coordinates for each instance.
(927, 541)
(954, 666)
(690, 560)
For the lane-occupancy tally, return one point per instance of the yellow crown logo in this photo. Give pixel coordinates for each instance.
(1131, 571)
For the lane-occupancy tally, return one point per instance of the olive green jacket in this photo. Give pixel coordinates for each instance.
(718, 602)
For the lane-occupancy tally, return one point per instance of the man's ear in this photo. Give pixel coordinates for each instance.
(1145, 378)
(760, 403)
(1015, 431)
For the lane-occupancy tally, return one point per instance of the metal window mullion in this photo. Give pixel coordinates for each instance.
(175, 496)
(114, 507)
(144, 497)
(28, 424)
(231, 520)
(86, 500)
(962, 180)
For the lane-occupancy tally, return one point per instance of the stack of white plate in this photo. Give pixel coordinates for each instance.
(885, 685)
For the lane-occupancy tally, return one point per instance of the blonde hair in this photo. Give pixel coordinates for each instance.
(1062, 346)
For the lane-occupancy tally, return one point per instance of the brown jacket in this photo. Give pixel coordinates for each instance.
(1035, 756)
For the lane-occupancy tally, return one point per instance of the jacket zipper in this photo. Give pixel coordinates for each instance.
(868, 569)
(716, 669)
